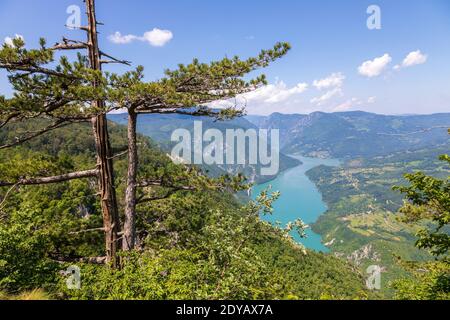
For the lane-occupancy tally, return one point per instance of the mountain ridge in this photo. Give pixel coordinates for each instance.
(355, 133)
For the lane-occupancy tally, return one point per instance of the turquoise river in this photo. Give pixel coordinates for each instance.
(300, 198)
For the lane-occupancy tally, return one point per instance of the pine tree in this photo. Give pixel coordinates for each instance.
(80, 91)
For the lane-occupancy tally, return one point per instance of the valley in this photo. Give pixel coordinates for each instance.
(362, 224)
(349, 204)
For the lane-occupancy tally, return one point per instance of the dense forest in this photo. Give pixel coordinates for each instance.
(192, 244)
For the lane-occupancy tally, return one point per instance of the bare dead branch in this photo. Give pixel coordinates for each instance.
(68, 44)
(90, 260)
(31, 135)
(115, 60)
(84, 28)
(2, 204)
(87, 230)
(53, 179)
(118, 155)
(160, 183)
(9, 118)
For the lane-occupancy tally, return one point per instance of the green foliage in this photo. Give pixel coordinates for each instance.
(38, 226)
(22, 256)
(429, 199)
(431, 281)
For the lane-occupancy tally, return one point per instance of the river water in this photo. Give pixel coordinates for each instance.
(300, 198)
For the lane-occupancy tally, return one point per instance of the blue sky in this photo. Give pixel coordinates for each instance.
(336, 63)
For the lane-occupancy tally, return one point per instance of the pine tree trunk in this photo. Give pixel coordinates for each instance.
(111, 220)
(129, 239)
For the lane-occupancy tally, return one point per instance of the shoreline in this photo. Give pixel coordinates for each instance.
(299, 193)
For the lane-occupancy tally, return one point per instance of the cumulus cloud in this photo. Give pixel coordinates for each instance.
(266, 99)
(413, 59)
(327, 96)
(280, 92)
(9, 40)
(118, 38)
(155, 37)
(332, 81)
(373, 68)
(333, 84)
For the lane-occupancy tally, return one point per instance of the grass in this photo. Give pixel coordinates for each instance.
(37, 294)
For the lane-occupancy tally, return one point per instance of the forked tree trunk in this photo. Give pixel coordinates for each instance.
(111, 220)
(129, 228)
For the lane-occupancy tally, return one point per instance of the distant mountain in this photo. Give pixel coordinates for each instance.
(160, 127)
(353, 134)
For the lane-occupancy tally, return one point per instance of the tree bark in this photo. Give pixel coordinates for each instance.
(110, 212)
(129, 239)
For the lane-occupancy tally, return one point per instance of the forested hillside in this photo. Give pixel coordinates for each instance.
(160, 127)
(356, 134)
(192, 244)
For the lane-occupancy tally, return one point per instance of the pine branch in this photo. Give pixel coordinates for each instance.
(31, 69)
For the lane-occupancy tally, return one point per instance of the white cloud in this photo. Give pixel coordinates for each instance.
(332, 81)
(352, 104)
(267, 99)
(413, 59)
(9, 40)
(282, 93)
(347, 105)
(373, 68)
(118, 38)
(333, 84)
(372, 100)
(155, 37)
(327, 96)
(274, 93)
